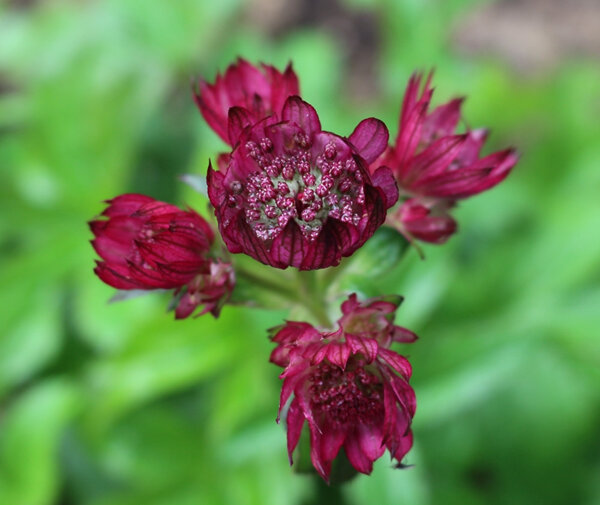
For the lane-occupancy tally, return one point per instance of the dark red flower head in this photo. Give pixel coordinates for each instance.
(348, 386)
(261, 92)
(291, 194)
(148, 244)
(436, 167)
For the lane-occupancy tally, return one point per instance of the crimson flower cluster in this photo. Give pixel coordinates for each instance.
(290, 194)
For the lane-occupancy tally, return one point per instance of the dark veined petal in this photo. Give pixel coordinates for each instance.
(238, 119)
(468, 181)
(433, 161)
(384, 180)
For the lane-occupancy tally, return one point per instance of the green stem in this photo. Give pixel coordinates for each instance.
(263, 282)
(328, 494)
(305, 292)
(311, 296)
(330, 276)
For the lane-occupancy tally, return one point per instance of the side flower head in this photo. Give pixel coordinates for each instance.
(435, 167)
(291, 194)
(350, 389)
(259, 92)
(148, 244)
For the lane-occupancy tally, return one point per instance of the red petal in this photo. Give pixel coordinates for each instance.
(397, 362)
(403, 335)
(127, 204)
(471, 147)
(331, 441)
(288, 248)
(464, 182)
(302, 113)
(322, 466)
(238, 119)
(351, 304)
(384, 180)
(417, 221)
(358, 459)
(338, 353)
(411, 120)
(186, 306)
(403, 446)
(370, 138)
(434, 160)
(370, 439)
(442, 121)
(282, 86)
(117, 276)
(295, 422)
(368, 347)
(211, 108)
(292, 376)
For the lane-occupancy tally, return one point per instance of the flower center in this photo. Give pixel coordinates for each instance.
(301, 183)
(346, 396)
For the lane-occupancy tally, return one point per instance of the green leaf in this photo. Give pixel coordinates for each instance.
(30, 434)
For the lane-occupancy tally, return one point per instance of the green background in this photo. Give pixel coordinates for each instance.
(120, 405)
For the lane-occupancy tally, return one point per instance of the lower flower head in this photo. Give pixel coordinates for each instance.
(294, 195)
(350, 389)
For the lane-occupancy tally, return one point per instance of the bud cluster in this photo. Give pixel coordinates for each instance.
(290, 194)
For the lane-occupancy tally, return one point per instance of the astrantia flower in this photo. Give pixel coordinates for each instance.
(291, 194)
(348, 386)
(435, 167)
(260, 92)
(148, 244)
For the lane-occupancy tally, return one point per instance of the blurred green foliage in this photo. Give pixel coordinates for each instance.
(120, 405)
